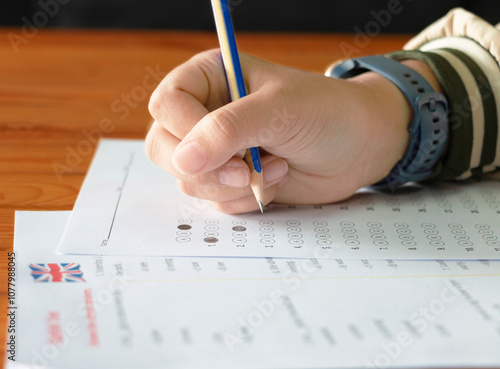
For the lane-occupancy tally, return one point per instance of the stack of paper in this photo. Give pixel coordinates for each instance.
(139, 275)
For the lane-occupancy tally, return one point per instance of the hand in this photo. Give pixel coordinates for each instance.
(323, 138)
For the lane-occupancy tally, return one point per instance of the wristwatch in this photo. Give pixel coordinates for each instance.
(429, 127)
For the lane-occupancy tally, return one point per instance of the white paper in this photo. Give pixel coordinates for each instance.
(128, 206)
(157, 312)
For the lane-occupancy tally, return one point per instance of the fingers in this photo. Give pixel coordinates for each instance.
(192, 104)
(189, 92)
(225, 131)
(276, 170)
(160, 146)
(247, 203)
(229, 182)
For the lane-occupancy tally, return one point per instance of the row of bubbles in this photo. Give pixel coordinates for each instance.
(294, 233)
(432, 234)
(488, 234)
(460, 234)
(266, 230)
(322, 233)
(377, 234)
(349, 233)
(184, 230)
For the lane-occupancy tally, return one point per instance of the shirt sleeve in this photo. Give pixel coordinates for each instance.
(463, 51)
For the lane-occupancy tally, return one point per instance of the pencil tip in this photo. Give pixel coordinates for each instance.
(261, 206)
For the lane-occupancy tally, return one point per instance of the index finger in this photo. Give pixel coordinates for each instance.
(190, 92)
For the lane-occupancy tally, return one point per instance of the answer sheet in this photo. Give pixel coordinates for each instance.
(128, 206)
(74, 311)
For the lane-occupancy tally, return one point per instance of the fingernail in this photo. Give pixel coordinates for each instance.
(189, 158)
(275, 169)
(234, 177)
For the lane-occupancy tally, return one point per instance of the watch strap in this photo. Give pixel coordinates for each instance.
(429, 127)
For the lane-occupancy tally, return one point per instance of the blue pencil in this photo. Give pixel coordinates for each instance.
(236, 86)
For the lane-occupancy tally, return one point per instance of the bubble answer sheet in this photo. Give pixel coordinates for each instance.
(82, 311)
(129, 206)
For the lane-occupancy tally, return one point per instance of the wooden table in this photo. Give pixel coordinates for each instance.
(59, 85)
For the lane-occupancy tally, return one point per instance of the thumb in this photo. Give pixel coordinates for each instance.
(247, 122)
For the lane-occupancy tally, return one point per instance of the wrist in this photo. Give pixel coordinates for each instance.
(390, 116)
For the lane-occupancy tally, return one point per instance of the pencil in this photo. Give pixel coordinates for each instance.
(237, 88)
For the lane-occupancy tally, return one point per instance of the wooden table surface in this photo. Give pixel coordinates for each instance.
(58, 85)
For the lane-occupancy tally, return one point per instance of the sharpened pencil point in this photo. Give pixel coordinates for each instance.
(261, 206)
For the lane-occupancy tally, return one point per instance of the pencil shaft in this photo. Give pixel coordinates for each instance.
(236, 85)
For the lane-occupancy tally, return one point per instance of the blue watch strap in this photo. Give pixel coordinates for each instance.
(429, 127)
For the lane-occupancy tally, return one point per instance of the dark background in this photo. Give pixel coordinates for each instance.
(248, 15)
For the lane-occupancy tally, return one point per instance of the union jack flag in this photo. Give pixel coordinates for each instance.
(57, 272)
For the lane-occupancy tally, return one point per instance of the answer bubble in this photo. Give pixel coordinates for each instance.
(239, 234)
(482, 226)
(428, 225)
(347, 224)
(437, 243)
(408, 243)
(211, 240)
(323, 236)
(348, 230)
(350, 236)
(267, 241)
(320, 223)
(211, 234)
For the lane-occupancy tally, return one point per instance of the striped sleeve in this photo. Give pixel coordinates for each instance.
(463, 51)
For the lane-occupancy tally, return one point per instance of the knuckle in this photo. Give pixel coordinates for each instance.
(154, 103)
(152, 146)
(202, 179)
(207, 55)
(162, 93)
(222, 127)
